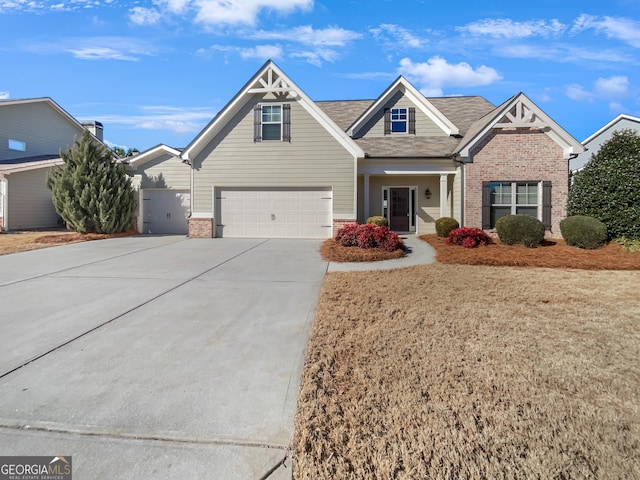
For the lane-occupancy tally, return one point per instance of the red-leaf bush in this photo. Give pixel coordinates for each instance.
(468, 237)
(367, 236)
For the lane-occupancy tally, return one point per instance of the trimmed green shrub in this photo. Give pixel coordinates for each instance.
(523, 229)
(378, 220)
(444, 225)
(583, 232)
(468, 237)
(608, 187)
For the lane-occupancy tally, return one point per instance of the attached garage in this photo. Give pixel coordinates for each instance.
(273, 213)
(165, 211)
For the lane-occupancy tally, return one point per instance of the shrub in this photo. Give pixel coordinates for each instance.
(378, 220)
(444, 225)
(368, 236)
(524, 229)
(629, 244)
(467, 237)
(583, 232)
(608, 187)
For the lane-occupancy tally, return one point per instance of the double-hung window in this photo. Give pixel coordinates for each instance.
(400, 120)
(399, 117)
(513, 198)
(272, 122)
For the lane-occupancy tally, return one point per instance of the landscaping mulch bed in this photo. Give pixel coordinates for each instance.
(333, 252)
(553, 253)
(22, 241)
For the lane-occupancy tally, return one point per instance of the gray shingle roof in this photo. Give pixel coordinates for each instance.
(462, 111)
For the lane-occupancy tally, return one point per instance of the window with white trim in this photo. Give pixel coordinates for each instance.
(399, 117)
(17, 145)
(513, 198)
(271, 122)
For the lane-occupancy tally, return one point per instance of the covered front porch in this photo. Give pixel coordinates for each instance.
(409, 195)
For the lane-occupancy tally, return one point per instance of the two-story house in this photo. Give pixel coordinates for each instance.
(275, 163)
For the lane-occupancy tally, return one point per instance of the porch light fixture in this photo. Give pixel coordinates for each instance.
(427, 193)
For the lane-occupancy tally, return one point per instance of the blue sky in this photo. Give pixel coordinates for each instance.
(156, 71)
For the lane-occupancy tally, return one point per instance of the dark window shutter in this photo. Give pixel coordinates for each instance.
(286, 122)
(257, 123)
(412, 120)
(486, 205)
(546, 204)
(387, 121)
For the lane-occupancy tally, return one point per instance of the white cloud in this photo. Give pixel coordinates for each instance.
(624, 29)
(161, 117)
(400, 36)
(242, 12)
(435, 74)
(318, 56)
(507, 28)
(101, 53)
(174, 6)
(4, 95)
(97, 48)
(563, 53)
(144, 16)
(612, 88)
(34, 6)
(331, 36)
(264, 52)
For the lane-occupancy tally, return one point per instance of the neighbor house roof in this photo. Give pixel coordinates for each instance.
(609, 125)
(16, 165)
(150, 154)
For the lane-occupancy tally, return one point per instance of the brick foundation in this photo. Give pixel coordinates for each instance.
(200, 227)
(339, 222)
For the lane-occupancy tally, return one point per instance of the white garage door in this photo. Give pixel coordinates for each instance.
(274, 213)
(165, 211)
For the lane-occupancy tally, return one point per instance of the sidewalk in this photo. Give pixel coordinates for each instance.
(418, 253)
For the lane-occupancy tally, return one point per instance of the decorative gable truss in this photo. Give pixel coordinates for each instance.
(519, 112)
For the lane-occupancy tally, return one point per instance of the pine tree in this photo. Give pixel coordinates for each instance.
(608, 187)
(91, 192)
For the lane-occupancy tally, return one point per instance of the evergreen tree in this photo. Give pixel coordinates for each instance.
(91, 192)
(608, 187)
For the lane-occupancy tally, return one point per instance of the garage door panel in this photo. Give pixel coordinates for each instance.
(165, 211)
(274, 213)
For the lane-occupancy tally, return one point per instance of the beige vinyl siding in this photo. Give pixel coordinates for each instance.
(165, 171)
(44, 130)
(30, 204)
(428, 209)
(313, 158)
(425, 127)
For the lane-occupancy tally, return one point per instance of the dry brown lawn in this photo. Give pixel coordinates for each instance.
(455, 371)
(22, 241)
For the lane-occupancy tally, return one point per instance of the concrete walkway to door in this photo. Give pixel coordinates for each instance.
(157, 357)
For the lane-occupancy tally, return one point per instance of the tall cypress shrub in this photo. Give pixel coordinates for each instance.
(91, 192)
(608, 187)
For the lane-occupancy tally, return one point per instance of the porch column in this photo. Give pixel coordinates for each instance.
(365, 192)
(444, 207)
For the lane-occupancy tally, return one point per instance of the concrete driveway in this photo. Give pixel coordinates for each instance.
(156, 357)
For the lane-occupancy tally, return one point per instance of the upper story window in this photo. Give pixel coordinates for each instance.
(17, 145)
(400, 120)
(272, 122)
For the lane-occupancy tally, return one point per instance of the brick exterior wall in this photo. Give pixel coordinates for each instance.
(339, 222)
(517, 155)
(200, 227)
(1, 222)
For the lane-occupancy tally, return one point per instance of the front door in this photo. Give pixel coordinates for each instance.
(399, 215)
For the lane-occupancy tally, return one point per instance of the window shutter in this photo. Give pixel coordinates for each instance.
(412, 120)
(546, 204)
(486, 205)
(257, 123)
(286, 122)
(387, 121)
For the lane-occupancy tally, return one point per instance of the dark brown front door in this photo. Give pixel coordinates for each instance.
(399, 218)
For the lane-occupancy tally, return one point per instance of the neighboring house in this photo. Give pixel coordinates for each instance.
(595, 141)
(32, 133)
(274, 163)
